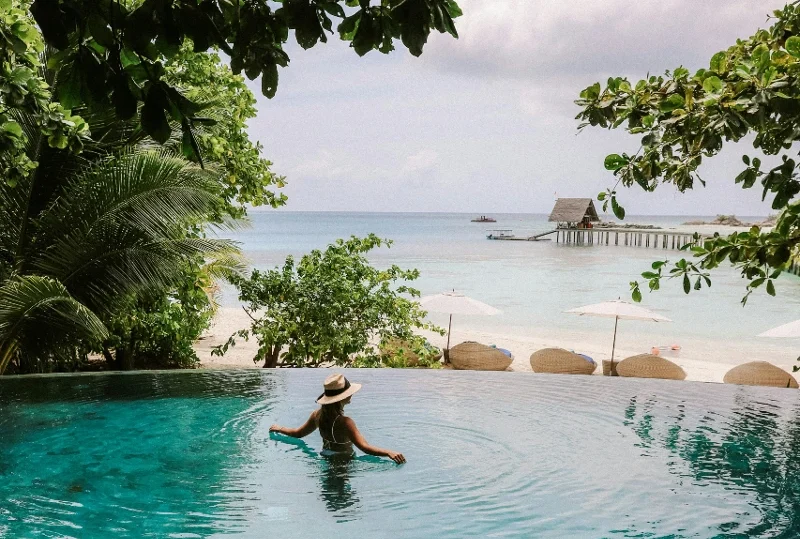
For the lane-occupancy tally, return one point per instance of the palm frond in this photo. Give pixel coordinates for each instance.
(223, 265)
(40, 312)
(123, 261)
(145, 190)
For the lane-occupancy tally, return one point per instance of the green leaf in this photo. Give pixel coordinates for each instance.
(269, 80)
(719, 62)
(614, 162)
(58, 141)
(673, 102)
(755, 283)
(69, 89)
(12, 128)
(650, 275)
(619, 211)
(100, 30)
(793, 46)
(153, 118)
(687, 285)
(770, 288)
(125, 102)
(453, 9)
(592, 92)
(712, 85)
(636, 295)
(129, 58)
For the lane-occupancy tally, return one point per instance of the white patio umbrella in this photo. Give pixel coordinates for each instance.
(455, 303)
(619, 310)
(786, 331)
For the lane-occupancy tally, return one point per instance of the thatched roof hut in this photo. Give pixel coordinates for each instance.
(574, 211)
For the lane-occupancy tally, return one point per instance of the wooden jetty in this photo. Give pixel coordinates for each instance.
(630, 237)
(574, 218)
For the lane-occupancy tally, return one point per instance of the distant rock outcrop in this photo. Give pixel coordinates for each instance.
(769, 221)
(612, 224)
(720, 220)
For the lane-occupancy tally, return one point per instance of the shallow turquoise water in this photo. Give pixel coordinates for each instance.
(188, 454)
(533, 283)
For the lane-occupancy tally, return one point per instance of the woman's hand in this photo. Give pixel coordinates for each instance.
(276, 428)
(397, 457)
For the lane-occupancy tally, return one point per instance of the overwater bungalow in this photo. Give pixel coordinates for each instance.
(574, 213)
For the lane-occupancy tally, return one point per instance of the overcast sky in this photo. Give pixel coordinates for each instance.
(486, 123)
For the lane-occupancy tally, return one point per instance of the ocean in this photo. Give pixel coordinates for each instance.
(533, 283)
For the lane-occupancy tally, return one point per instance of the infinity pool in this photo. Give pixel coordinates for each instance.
(188, 454)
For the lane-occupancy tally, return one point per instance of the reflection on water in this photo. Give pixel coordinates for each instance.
(334, 471)
(753, 451)
(189, 455)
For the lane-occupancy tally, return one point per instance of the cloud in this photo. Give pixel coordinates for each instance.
(531, 39)
(325, 164)
(486, 123)
(423, 160)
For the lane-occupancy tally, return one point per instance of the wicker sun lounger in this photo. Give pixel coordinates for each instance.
(560, 361)
(474, 356)
(650, 366)
(759, 373)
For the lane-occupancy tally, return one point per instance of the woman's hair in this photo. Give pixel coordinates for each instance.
(331, 411)
(328, 414)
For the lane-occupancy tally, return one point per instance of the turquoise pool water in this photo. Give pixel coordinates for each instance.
(188, 454)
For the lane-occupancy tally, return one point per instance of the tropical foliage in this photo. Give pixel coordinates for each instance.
(115, 51)
(24, 90)
(102, 235)
(74, 257)
(246, 177)
(329, 308)
(750, 90)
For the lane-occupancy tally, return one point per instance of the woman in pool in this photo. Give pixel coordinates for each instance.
(339, 432)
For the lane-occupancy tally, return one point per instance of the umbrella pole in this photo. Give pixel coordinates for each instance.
(614, 344)
(447, 349)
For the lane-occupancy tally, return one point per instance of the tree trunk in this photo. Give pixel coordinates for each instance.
(6, 352)
(112, 364)
(125, 357)
(271, 361)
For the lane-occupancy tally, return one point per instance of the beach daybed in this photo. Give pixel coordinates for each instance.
(649, 366)
(759, 373)
(560, 361)
(474, 356)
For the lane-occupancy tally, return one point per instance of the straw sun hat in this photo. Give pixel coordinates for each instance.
(337, 388)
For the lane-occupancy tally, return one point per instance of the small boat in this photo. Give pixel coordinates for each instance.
(500, 234)
(483, 219)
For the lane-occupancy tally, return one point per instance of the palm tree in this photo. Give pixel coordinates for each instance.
(81, 236)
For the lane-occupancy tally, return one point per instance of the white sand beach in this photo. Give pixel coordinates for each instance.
(697, 367)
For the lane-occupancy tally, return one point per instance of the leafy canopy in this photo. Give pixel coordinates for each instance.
(114, 50)
(24, 91)
(750, 89)
(328, 307)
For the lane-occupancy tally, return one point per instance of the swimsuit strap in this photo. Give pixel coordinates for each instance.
(333, 436)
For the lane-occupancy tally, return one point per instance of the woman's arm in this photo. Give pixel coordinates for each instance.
(304, 430)
(359, 441)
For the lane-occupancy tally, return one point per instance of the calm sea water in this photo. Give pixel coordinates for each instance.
(533, 283)
(188, 455)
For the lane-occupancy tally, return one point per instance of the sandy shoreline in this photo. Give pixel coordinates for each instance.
(230, 319)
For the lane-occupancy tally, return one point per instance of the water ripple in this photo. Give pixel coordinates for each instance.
(489, 455)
